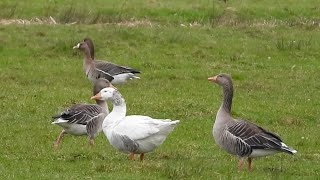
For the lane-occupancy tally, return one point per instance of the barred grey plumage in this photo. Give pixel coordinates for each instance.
(74, 120)
(242, 138)
(80, 113)
(94, 126)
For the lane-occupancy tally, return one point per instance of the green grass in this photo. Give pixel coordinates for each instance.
(214, 12)
(275, 72)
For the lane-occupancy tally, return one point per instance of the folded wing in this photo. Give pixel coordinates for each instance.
(114, 69)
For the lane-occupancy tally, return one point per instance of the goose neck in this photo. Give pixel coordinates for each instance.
(118, 112)
(87, 55)
(119, 107)
(227, 98)
(92, 52)
(103, 104)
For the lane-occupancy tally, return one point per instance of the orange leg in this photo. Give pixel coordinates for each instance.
(249, 164)
(58, 141)
(91, 142)
(141, 156)
(240, 165)
(132, 156)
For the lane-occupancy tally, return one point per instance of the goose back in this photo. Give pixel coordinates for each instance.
(80, 113)
(114, 69)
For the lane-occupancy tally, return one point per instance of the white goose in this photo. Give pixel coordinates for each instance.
(77, 120)
(132, 134)
(242, 138)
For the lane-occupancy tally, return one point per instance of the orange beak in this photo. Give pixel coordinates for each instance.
(97, 96)
(212, 79)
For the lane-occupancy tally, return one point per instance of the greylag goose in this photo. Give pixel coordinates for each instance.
(242, 138)
(76, 120)
(92, 71)
(134, 134)
(120, 73)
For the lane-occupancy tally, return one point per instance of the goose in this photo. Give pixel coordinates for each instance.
(76, 120)
(135, 134)
(239, 137)
(119, 73)
(92, 71)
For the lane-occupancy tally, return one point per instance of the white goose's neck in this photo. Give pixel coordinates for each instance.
(119, 109)
(118, 112)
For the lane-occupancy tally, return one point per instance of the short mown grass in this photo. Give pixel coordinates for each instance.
(275, 71)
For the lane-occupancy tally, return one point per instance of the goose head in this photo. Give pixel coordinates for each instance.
(97, 87)
(221, 79)
(81, 46)
(88, 41)
(106, 94)
(100, 84)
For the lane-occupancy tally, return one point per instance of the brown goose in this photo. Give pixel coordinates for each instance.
(120, 73)
(242, 138)
(92, 72)
(77, 120)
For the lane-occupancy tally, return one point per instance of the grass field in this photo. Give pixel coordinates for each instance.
(270, 48)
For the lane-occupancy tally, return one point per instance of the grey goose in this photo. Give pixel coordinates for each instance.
(119, 73)
(93, 72)
(239, 137)
(77, 119)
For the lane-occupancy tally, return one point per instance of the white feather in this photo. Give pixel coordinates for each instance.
(71, 128)
(262, 152)
(122, 78)
(133, 134)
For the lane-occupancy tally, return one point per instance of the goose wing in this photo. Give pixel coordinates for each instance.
(138, 127)
(94, 125)
(114, 69)
(99, 73)
(254, 136)
(80, 113)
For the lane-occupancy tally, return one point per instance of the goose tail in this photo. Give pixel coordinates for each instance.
(288, 149)
(175, 122)
(133, 76)
(135, 71)
(56, 116)
(58, 121)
